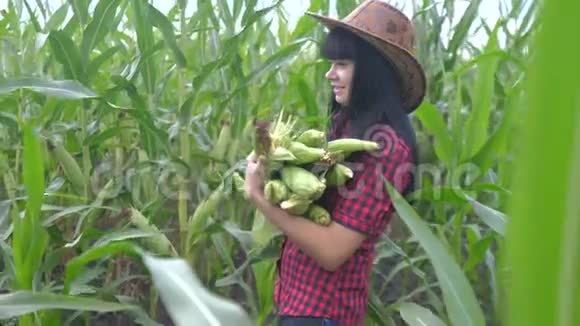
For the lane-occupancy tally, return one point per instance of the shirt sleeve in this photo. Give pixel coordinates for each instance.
(363, 203)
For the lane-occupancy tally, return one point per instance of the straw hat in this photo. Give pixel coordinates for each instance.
(393, 34)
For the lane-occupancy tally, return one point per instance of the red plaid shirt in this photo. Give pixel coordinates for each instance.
(303, 287)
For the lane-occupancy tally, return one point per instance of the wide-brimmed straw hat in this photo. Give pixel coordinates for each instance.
(393, 34)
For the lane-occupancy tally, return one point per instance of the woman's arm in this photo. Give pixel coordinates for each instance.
(330, 245)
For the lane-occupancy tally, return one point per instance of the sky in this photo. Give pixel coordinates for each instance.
(489, 10)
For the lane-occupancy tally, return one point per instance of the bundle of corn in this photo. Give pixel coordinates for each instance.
(300, 166)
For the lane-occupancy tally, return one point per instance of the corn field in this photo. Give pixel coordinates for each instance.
(121, 127)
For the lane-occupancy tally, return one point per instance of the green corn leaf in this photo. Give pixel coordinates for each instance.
(81, 10)
(496, 145)
(478, 123)
(415, 315)
(57, 18)
(75, 265)
(462, 29)
(23, 302)
(97, 62)
(496, 220)
(33, 18)
(66, 89)
(146, 42)
(67, 53)
(459, 297)
(188, 302)
(432, 119)
(101, 24)
(542, 237)
(160, 21)
(29, 237)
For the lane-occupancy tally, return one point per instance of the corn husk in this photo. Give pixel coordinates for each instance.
(280, 153)
(276, 191)
(338, 174)
(296, 205)
(312, 138)
(305, 154)
(350, 145)
(318, 215)
(302, 182)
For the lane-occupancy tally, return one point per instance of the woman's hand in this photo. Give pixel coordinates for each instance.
(255, 176)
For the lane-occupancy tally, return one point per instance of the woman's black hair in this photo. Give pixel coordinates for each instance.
(376, 88)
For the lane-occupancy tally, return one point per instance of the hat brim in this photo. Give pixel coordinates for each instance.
(413, 79)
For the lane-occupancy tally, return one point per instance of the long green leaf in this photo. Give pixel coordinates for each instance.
(187, 300)
(67, 89)
(57, 18)
(542, 238)
(67, 53)
(75, 265)
(415, 315)
(462, 29)
(164, 25)
(461, 303)
(23, 302)
(146, 42)
(432, 119)
(478, 123)
(81, 10)
(101, 23)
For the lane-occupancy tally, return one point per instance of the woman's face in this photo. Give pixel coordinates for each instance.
(340, 77)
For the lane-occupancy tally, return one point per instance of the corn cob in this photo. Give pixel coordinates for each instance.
(71, 168)
(318, 215)
(232, 155)
(296, 205)
(276, 191)
(338, 174)
(238, 182)
(224, 139)
(302, 182)
(349, 145)
(281, 154)
(305, 154)
(158, 241)
(311, 138)
(205, 209)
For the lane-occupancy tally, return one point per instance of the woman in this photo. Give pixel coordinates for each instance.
(323, 271)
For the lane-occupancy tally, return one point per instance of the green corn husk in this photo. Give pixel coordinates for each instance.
(276, 191)
(318, 215)
(349, 145)
(338, 174)
(158, 242)
(312, 138)
(302, 182)
(224, 139)
(238, 183)
(296, 205)
(281, 154)
(305, 154)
